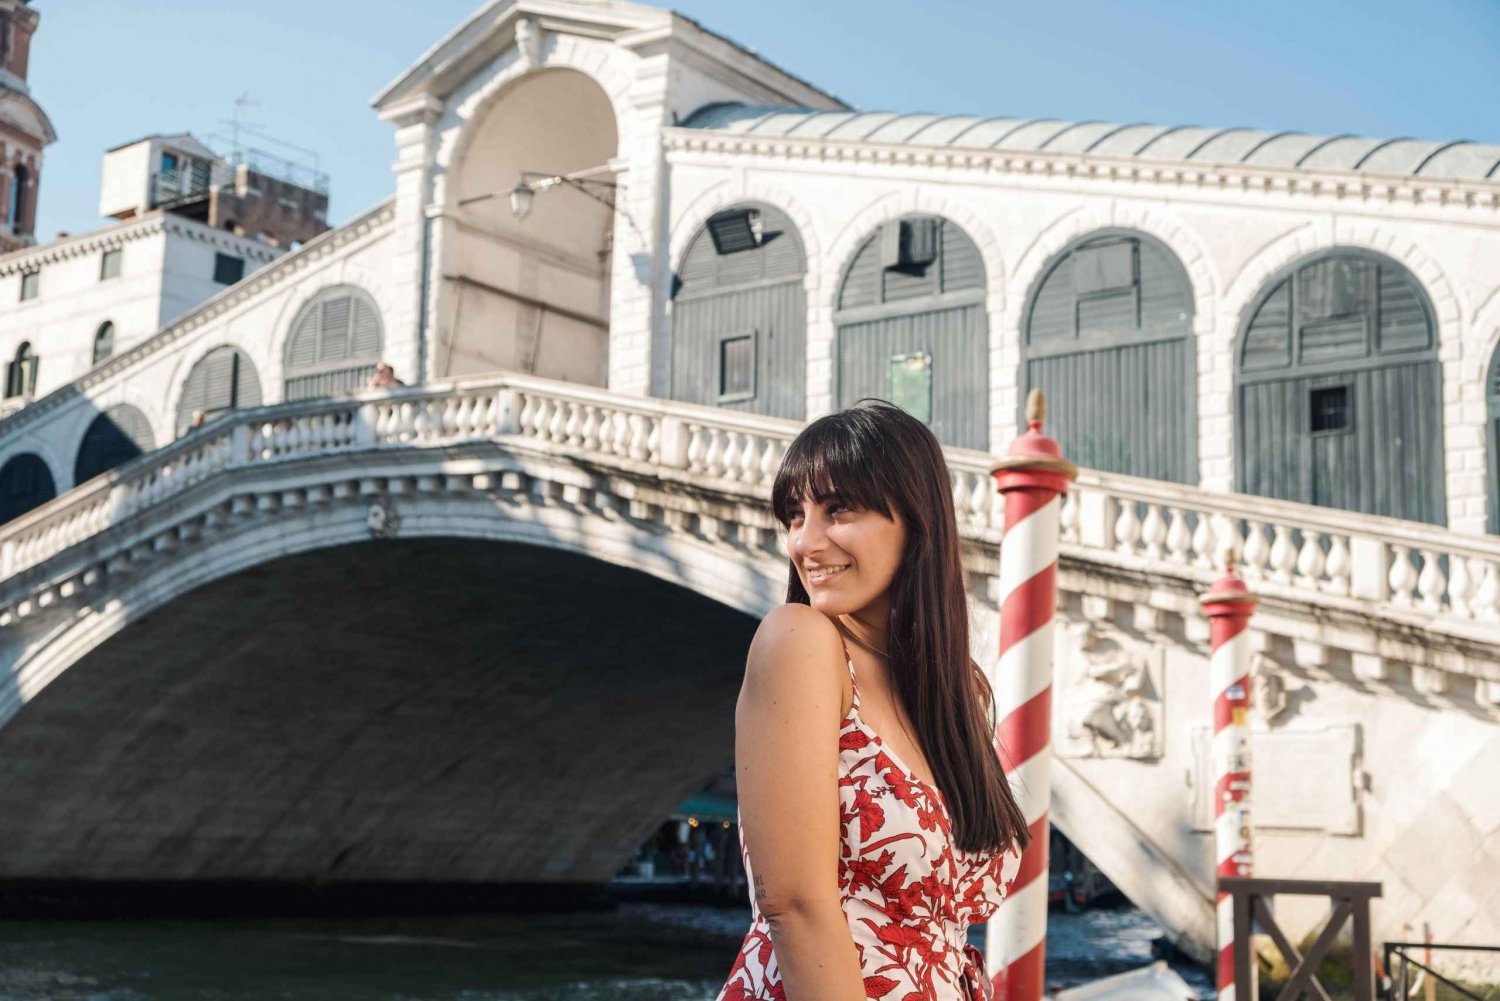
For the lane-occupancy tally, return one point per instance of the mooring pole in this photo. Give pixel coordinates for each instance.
(1229, 605)
(1033, 478)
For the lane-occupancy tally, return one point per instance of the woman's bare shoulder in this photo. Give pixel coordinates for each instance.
(791, 638)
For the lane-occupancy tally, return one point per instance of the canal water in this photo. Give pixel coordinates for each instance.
(640, 952)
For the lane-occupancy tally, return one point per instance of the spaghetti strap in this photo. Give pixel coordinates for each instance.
(848, 661)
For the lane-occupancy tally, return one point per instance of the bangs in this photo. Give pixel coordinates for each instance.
(829, 461)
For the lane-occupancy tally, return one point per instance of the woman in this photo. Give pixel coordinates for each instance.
(876, 823)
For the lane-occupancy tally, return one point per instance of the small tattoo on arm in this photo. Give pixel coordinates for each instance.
(760, 888)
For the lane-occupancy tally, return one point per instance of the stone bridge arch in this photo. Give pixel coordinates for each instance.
(453, 719)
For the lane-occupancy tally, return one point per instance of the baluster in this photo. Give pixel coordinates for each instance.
(1256, 550)
(980, 489)
(1283, 554)
(770, 461)
(573, 427)
(1402, 577)
(1338, 566)
(1430, 582)
(1310, 560)
(1127, 527)
(590, 429)
(749, 460)
(460, 424)
(697, 447)
(653, 439)
(557, 428)
(621, 445)
(1153, 531)
(715, 451)
(1486, 604)
(1461, 583)
(525, 422)
(1204, 540)
(1067, 518)
(637, 437)
(1178, 537)
(731, 454)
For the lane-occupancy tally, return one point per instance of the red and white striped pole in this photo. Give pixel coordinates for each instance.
(1033, 477)
(1229, 605)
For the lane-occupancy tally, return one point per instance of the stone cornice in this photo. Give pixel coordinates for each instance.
(1356, 187)
(274, 274)
(120, 234)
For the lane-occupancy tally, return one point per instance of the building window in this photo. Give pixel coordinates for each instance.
(736, 368)
(17, 207)
(1329, 409)
(909, 245)
(20, 373)
(31, 284)
(228, 269)
(104, 341)
(109, 264)
(911, 384)
(735, 230)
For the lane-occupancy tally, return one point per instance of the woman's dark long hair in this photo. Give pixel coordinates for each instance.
(876, 456)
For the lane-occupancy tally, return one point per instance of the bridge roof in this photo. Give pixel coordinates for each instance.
(1453, 160)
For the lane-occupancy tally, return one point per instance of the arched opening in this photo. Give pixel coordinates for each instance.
(1108, 335)
(221, 381)
(320, 724)
(20, 372)
(531, 294)
(104, 341)
(1338, 390)
(334, 345)
(114, 437)
(912, 329)
(1492, 439)
(25, 483)
(16, 211)
(739, 315)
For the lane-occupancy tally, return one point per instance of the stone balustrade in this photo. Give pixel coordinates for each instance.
(1322, 560)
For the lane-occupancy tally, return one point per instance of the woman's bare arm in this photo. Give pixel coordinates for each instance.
(786, 766)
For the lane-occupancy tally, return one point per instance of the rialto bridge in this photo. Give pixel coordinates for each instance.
(490, 631)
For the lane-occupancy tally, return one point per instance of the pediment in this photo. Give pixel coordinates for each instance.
(491, 30)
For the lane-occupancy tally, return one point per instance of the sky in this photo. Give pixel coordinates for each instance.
(109, 72)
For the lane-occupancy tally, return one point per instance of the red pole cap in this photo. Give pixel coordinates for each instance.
(1228, 595)
(1034, 460)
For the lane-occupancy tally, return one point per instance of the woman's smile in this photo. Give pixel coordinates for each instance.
(823, 575)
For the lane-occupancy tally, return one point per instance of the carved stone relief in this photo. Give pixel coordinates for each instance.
(1112, 692)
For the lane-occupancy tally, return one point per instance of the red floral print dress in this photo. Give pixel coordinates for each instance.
(910, 895)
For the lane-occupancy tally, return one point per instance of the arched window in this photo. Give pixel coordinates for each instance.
(1492, 438)
(222, 380)
(912, 328)
(17, 208)
(114, 437)
(335, 344)
(1338, 390)
(104, 341)
(20, 372)
(25, 483)
(1108, 336)
(739, 315)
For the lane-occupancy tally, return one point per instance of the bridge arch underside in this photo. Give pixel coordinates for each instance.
(433, 711)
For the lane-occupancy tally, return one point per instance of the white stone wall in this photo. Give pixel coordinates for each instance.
(255, 316)
(166, 268)
(1231, 241)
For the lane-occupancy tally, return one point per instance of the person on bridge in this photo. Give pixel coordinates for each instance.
(876, 823)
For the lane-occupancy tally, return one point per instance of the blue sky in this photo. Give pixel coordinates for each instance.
(108, 72)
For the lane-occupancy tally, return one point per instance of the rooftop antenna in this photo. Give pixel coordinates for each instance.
(237, 123)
